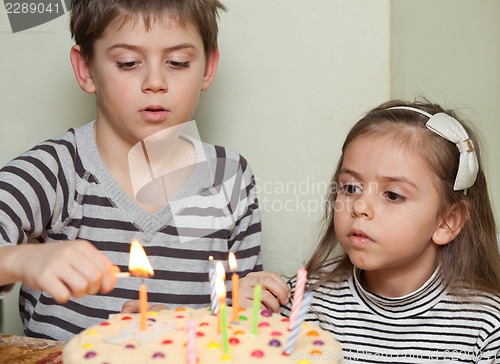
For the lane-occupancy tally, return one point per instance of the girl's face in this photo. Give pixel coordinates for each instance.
(386, 213)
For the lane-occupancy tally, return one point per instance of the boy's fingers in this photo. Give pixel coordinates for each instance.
(270, 301)
(130, 307)
(158, 307)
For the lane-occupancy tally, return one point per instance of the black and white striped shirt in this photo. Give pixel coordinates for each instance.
(61, 190)
(429, 325)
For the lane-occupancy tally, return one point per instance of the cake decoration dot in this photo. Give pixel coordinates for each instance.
(286, 319)
(90, 355)
(199, 334)
(213, 346)
(266, 313)
(104, 324)
(276, 333)
(167, 342)
(264, 324)
(238, 332)
(243, 318)
(130, 346)
(316, 352)
(274, 342)
(151, 319)
(318, 343)
(180, 309)
(158, 355)
(86, 346)
(152, 313)
(126, 318)
(91, 332)
(312, 333)
(304, 362)
(204, 324)
(257, 353)
(226, 358)
(234, 341)
(179, 317)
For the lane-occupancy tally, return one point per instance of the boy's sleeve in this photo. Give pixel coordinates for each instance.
(245, 239)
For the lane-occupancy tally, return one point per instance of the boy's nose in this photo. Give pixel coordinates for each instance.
(155, 81)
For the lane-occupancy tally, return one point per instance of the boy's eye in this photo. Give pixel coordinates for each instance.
(175, 64)
(126, 65)
(394, 197)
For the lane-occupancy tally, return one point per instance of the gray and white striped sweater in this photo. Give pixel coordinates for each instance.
(61, 190)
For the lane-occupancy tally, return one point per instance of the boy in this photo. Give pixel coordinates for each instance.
(68, 209)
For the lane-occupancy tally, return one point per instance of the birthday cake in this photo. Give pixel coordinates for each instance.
(167, 340)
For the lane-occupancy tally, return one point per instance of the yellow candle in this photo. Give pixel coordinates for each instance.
(143, 306)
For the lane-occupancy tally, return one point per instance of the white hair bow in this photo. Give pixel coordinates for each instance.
(450, 129)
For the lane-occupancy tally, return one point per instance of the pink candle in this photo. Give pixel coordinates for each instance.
(300, 285)
(191, 343)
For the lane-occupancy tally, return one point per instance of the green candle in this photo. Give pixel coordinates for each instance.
(225, 338)
(256, 308)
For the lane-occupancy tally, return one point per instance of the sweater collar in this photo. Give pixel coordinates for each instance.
(413, 304)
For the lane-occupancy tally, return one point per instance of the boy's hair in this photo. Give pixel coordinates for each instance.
(89, 18)
(472, 259)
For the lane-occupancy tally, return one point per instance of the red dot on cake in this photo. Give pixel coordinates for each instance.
(199, 334)
(167, 342)
(264, 324)
(105, 324)
(127, 318)
(257, 353)
(204, 324)
(276, 333)
(234, 341)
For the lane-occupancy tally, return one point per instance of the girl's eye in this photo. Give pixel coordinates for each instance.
(394, 197)
(350, 189)
(126, 65)
(179, 65)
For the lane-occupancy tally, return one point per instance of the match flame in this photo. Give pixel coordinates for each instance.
(220, 288)
(219, 270)
(232, 262)
(138, 263)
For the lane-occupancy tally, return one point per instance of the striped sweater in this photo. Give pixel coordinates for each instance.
(61, 190)
(429, 325)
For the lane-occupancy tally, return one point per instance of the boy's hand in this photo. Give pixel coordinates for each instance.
(274, 290)
(133, 307)
(66, 268)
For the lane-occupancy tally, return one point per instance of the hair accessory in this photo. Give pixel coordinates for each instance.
(450, 129)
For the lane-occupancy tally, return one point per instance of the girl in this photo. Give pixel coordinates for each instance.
(420, 278)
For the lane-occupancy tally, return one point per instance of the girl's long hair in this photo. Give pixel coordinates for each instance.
(472, 259)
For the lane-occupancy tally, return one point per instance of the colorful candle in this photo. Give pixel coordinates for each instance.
(143, 306)
(300, 285)
(191, 344)
(302, 311)
(214, 300)
(235, 278)
(256, 308)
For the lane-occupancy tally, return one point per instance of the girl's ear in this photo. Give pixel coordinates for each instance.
(451, 224)
(210, 69)
(82, 70)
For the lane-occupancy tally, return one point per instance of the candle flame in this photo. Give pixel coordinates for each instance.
(210, 258)
(138, 263)
(220, 288)
(219, 270)
(232, 262)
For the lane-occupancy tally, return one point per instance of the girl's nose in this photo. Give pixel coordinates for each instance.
(362, 208)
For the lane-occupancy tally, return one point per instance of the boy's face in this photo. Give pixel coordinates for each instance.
(147, 80)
